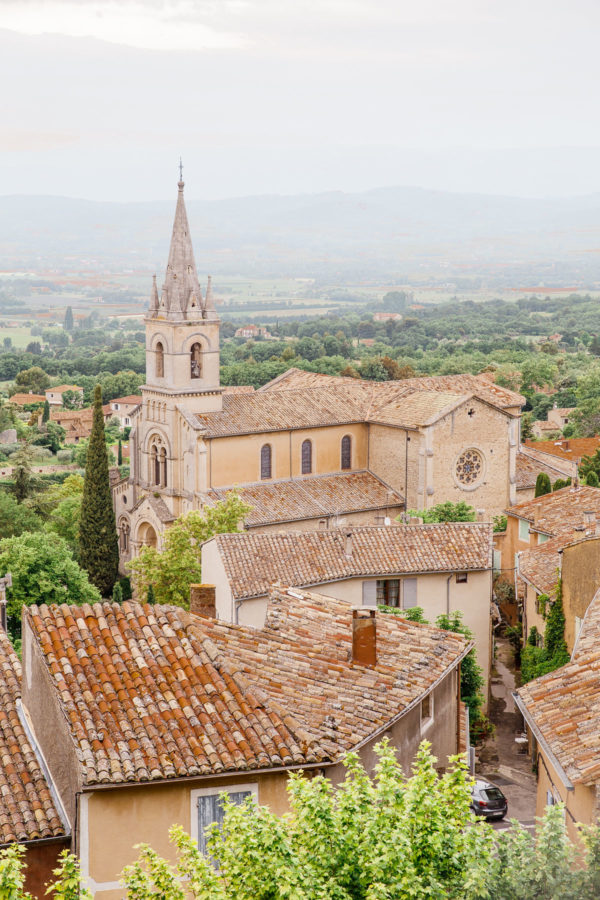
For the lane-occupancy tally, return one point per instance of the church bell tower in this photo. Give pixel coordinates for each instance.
(182, 329)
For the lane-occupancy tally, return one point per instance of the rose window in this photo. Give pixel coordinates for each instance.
(469, 467)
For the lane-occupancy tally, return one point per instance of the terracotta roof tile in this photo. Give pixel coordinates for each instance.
(571, 449)
(561, 511)
(529, 467)
(27, 810)
(540, 565)
(311, 497)
(565, 704)
(254, 562)
(24, 399)
(155, 693)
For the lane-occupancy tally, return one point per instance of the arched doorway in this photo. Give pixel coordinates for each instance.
(147, 535)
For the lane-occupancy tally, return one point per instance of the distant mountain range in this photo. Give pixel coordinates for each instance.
(392, 233)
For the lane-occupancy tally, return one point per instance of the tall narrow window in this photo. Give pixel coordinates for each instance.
(163, 467)
(154, 465)
(306, 457)
(265, 461)
(346, 452)
(160, 360)
(196, 361)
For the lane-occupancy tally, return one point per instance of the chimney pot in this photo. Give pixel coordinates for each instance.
(203, 600)
(348, 544)
(364, 637)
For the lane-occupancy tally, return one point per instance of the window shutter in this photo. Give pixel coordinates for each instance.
(369, 593)
(409, 593)
(210, 809)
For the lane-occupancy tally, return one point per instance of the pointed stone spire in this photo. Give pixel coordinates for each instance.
(181, 290)
(209, 303)
(154, 298)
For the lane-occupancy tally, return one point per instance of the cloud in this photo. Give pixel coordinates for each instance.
(14, 141)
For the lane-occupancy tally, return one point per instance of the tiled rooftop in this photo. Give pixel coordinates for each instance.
(477, 385)
(567, 448)
(311, 497)
(561, 511)
(153, 692)
(23, 399)
(27, 811)
(131, 398)
(565, 705)
(254, 562)
(540, 565)
(529, 467)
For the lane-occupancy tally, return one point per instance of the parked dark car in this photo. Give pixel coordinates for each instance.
(488, 800)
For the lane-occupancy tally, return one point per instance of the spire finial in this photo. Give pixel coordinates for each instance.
(180, 172)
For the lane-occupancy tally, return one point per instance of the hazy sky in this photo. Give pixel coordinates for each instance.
(99, 99)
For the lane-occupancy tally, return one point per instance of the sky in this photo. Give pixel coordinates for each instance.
(101, 98)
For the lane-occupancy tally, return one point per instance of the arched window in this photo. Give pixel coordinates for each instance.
(265, 461)
(196, 361)
(154, 465)
(160, 360)
(306, 457)
(346, 452)
(124, 537)
(163, 467)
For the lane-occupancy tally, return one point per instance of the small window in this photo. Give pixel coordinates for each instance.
(409, 593)
(524, 530)
(209, 808)
(346, 452)
(461, 577)
(426, 711)
(497, 565)
(542, 538)
(306, 457)
(265, 462)
(388, 592)
(159, 364)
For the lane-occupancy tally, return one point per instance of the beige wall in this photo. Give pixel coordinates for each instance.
(580, 580)
(509, 543)
(236, 459)
(531, 617)
(580, 802)
(395, 456)
(366, 517)
(487, 430)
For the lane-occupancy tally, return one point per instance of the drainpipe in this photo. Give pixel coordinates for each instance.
(448, 595)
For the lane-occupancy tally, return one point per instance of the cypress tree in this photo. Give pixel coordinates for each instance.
(98, 543)
(592, 479)
(120, 454)
(68, 326)
(46, 412)
(542, 485)
(151, 598)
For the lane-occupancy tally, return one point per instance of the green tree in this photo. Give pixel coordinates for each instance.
(542, 484)
(590, 464)
(15, 517)
(537, 661)
(120, 453)
(46, 412)
(471, 676)
(72, 400)
(592, 479)
(117, 594)
(98, 542)
(68, 323)
(446, 512)
(22, 462)
(33, 379)
(171, 571)
(43, 571)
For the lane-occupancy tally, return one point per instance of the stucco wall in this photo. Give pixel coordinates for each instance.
(580, 802)
(49, 723)
(236, 460)
(580, 581)
(40, 862)
(394, 456)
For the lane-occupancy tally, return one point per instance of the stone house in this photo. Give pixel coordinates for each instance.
(440, 568)
(410, 443)
(54, 395)
(24, 399)
(123, 407)
(30, 810)
(530, 465)
(145, 714)
(562, 714)
(565, 450)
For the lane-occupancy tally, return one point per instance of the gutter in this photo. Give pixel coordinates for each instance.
(542, 742)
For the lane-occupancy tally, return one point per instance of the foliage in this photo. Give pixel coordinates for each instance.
(22, 461)
(592, 479)
(514, 633)
(69, 881)
(171, 571)
(446, 512)
(542, 485)
(68, 322)
(504, 592)
(589, 465)
(81, 452)
(117, 594)
(98, 542)
(46, 411)
(33, 379)
(500, 523)
(12, 873)
(72, 400)
(561, 483)
(471, 676)
(537, 661)
(414, 614)
(43, 571)
(380, 837)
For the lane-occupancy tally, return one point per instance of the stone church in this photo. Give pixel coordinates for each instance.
(306, 451)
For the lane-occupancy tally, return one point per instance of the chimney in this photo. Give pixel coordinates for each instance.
(202, 600)
(364, 637)
(348, 544)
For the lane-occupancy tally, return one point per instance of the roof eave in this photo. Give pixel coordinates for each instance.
(521, 706)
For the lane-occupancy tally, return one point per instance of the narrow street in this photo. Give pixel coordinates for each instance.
(499, 760)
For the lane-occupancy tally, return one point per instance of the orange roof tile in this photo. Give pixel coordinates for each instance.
(564, 706)
(152, 693)
(561, 511)
(27, 810)
(311, 497)
(254, 562)
(530, 466)
(572, 449)
(23, 399)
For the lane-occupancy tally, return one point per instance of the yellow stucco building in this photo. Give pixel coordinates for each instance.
(306, 451)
